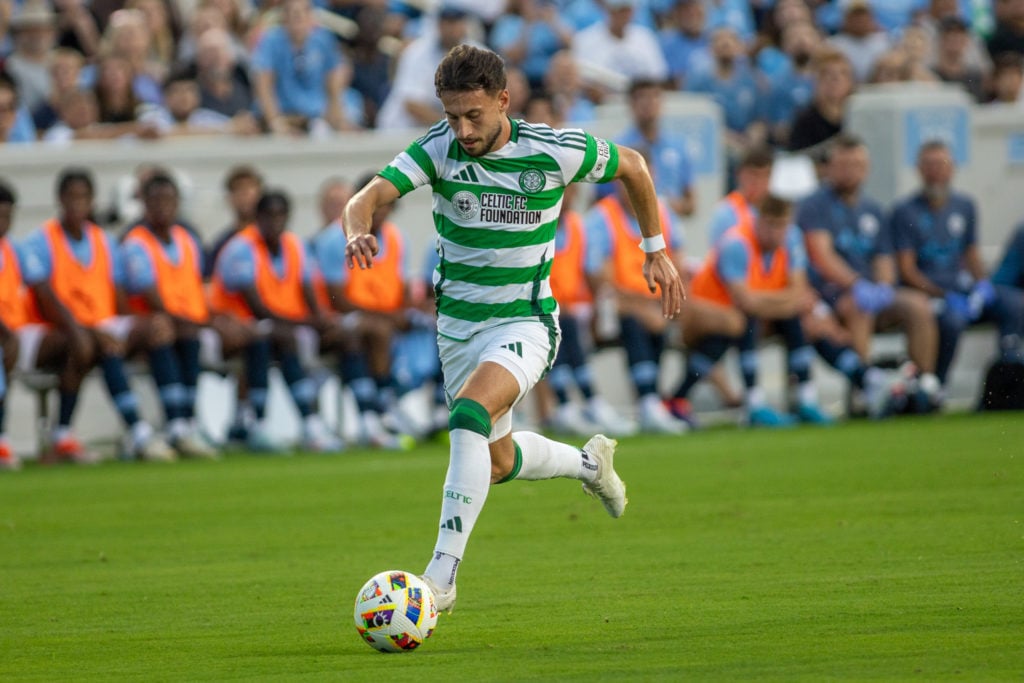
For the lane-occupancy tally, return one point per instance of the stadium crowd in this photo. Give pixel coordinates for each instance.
(822, 269)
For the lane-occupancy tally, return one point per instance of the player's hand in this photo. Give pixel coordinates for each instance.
(360, 250)
(659, 271)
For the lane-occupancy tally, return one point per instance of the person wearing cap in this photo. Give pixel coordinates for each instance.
(411, 102)
(951, 64)
(619, 47)
(860, 39)
(33, 30)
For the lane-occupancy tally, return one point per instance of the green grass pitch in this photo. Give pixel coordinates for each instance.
(890, 551)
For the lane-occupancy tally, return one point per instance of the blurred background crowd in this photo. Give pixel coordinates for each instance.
(781, 69)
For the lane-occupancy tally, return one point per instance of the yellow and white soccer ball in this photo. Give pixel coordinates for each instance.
(395, 611)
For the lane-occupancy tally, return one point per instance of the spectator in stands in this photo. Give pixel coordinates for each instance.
(182, 113)
(15, 120)
(618, 49)
(760, 267)
(77, 279)
(951, 64)
(161, 49)
(300, 75)
(127, 36)
(860, 40)
(935, 233)
(791, 88)
(243, 186)
(666, 153)
(769, 58)
(571, 289)
(223, 81)
(613, 261)
(115, 91)
(527, 36)
(32, 29)
(163, 266)
(65, 72)
(206, 16)
(373, 307)
(736, 15)
(685, 41)
(740, 206)
(823, 117)
(372, 66)
(77, 28)
(975, 54)
(1008, 35)
(412, 102)
(563, 83)
(519, 92)
(1008, 80)
(264, 276)
(78, 119)
(1010, 271)
(854, 267)
(732, 85)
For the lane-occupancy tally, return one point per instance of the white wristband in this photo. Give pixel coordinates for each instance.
(653, 244)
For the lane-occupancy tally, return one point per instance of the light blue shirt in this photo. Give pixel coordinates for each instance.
(328, 249)
(236, 265)
(734, 256)
(599, 237)
(37, 259)
(139, 268)
(299, 75)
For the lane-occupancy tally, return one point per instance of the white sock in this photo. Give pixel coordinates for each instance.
(178, 428)
(755, 398)
(465, 491)
(543, 458)
(142, 432)
(807, 394)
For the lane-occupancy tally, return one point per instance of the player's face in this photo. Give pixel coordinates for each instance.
(76, 203)
(272, 223)
(848, 168)
(936, 168)
(771, 231)
(478, 119)
(754, 182)
(161, 206)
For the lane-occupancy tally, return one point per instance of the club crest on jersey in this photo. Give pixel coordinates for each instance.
(466, 205)
(868, 225)
(957, 224)
(531, 180)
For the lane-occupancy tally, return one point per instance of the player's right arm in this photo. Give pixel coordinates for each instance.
(357, 219)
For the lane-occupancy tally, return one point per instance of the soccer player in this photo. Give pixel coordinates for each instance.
(263, 276)
(760, 267)
(163, 273)
(936, 238)
(498, 187)
(76, 277)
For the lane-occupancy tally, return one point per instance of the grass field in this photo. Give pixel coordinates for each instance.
(889, 551)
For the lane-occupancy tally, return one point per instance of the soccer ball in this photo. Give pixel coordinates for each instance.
(395, 611)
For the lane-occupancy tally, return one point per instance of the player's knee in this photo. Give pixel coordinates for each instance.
(160, 330)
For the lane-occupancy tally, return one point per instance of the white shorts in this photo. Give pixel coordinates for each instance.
(526, 349)
(29, 338)
(118, 327)
(211, 351)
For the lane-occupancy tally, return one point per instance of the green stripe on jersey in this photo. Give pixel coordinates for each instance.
(423, 160)
(479, 312)
(486, 238)
(398, 179)
(539, 201)
(493, 276)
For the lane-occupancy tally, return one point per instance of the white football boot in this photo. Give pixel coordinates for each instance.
(607, 487)
(443, 600)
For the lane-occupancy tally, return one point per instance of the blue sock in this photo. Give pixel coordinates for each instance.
(257, 364)
(117, 385)
(188, 360)
(68, 401)
(700, 360)
(559, 379)
(167, 375)
(355, 372)
(584, 382)
(302, 388)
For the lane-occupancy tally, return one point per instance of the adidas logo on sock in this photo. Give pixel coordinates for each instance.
(453, 524)
(588, 464)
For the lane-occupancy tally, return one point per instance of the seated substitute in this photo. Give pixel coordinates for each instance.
(76, 277)
(854, 269)
(935, 232)
(264, 276)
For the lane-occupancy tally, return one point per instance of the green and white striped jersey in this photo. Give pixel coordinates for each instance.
(496, 217)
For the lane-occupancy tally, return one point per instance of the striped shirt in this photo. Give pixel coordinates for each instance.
(496, 217)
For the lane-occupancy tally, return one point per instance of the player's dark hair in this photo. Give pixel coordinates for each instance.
(271, 197)
(846, 141)
(157, 180)
(74, 174)
(775, 207)
(7, 194)
(758, 156)
(241, 172)
(8, 82)
(638, 84)
(932, 145)
(1007, 61)
(466, 68)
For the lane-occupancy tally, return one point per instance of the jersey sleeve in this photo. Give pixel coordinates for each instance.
(416, 166)
(733, 261)
(237, 266)
(596, 161)
(34, 258)
(139, 271)
(723, 218)
(329, 251)
(796, 249)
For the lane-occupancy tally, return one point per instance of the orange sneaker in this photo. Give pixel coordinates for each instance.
(70, 449)
(8, 458)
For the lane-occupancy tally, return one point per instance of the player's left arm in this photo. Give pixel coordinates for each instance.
(659, 270)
